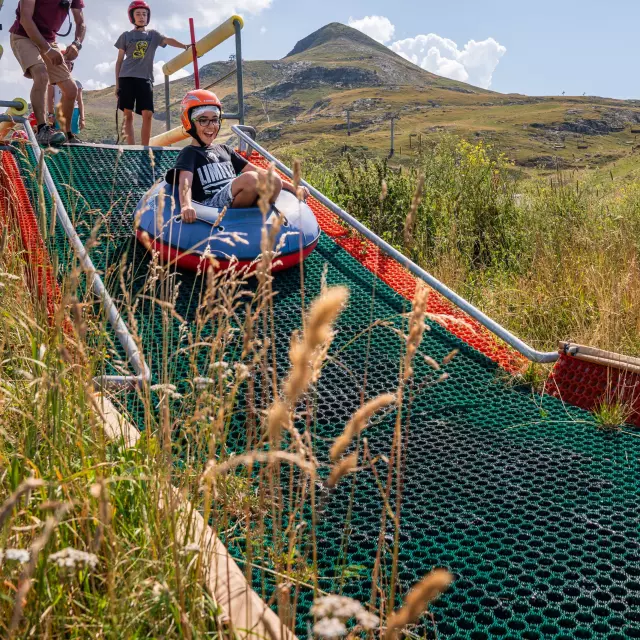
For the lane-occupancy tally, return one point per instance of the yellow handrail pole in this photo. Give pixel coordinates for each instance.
(205, 44)
(13, 111)
(167, 138)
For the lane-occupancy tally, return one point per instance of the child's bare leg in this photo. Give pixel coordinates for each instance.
(128, 127)
(147, 117)
(244, 189)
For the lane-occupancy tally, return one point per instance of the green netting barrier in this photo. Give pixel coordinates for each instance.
(533, 508)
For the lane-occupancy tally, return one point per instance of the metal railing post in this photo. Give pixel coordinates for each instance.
(167, 104)
(239, 80)
(125, 338)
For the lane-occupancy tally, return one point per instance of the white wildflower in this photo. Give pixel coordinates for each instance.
(71, 558)
(242, 371)
(367, 619)
(347, 608)
(18, 555)
(329, 628)
(166, 389)
(200, 383)
(159, 589)
(219, 365)
(337, 606)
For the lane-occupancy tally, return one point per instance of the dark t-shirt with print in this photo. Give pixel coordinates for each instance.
(49, 16)
(140, 50)
(213, 168)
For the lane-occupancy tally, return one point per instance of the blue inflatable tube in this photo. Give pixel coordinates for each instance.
(232, 239)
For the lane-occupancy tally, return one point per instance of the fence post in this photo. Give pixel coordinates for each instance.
(239, 79)
(194, 51)
(167, 108)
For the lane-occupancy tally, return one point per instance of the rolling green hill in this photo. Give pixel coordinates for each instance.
(301, 101)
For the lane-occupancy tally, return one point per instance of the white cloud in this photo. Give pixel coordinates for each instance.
(475, 63)
(263, 30)
(106, 67)
(377, 27)
(94, 85)
(158, 76)
(14, 84)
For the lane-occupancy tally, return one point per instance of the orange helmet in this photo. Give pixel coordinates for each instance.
(197, 98)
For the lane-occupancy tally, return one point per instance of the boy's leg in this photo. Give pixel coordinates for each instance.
(147, 118)
(144, 107)
(126, 104)
(69, 91)
(128, 127)
(40, 79)
(244, 189)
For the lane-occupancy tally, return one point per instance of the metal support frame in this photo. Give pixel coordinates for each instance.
(11, 104)
(239, 79)
(167, 113)
(495, 328)
(239, 116)
(135, 357)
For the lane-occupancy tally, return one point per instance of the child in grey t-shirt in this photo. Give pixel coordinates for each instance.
(134, 69)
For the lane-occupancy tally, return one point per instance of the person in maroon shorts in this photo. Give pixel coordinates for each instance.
(33, 42)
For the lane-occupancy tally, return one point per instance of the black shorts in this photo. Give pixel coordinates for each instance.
(135, 94)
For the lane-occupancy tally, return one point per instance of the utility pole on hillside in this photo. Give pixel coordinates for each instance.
(393, 122)
(348, 122)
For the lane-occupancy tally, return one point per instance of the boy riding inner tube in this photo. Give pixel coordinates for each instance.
(209, 179)
(231, 239)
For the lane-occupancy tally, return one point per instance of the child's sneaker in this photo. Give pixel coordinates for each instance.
(49, 137)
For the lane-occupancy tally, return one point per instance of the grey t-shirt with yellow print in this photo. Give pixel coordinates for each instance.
(140, 49)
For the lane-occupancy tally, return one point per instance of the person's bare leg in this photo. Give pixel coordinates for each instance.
(128, 127)
(69, 91)
(40, 79)
(147, 118)
(244, 189)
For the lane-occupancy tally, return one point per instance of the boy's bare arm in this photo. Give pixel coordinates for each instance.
(119, 66)
(80, 108)
(172, 42)
(187, 212)
(71, 52)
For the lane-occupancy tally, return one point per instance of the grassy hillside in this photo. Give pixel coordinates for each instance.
(301, 102)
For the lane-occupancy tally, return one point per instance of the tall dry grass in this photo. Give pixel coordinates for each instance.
(553, 258)
(92, 536)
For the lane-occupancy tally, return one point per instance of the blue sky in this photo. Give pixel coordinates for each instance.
(540, 48)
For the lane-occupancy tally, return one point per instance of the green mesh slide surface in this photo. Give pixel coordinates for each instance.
(533, 508)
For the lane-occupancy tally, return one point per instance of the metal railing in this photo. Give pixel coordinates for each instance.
(135, 357)
(504, 334)
(11, 104)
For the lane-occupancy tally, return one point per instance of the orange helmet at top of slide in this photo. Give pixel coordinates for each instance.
(197, 98)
